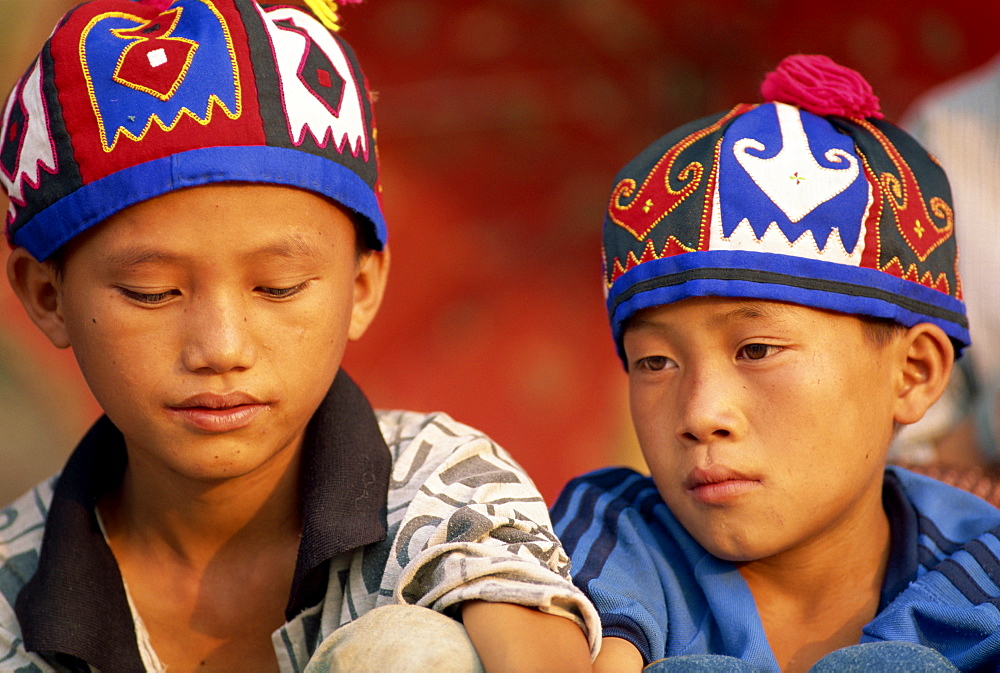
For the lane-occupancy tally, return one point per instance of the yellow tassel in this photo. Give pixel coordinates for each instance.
(326, 12)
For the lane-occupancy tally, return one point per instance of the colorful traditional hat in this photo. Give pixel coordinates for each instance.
(809, 198)
(132, 99)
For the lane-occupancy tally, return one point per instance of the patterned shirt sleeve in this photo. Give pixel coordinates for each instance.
(469, 524)
(21, 527)
(14, 658)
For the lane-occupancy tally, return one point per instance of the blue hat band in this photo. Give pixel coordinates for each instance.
(761, 275)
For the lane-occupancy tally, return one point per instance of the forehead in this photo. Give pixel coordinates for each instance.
(722, 313)
(222, 222)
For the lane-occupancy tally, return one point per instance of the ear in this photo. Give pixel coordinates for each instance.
(369, 287)
(926, 356)
(38, 287)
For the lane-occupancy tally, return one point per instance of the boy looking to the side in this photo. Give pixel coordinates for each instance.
(193, 210)
(783, 292)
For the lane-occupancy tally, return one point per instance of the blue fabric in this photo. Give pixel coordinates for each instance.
(746, 204)
(895, 657)
(904, 563)
(742, 198)
(211, 73)
(798, 280)
(656, 587)
(700, 663)
(98, 200)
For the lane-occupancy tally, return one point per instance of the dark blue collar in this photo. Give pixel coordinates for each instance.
(903, 524)
(74, 607)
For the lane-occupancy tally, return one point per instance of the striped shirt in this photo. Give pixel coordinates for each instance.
(397, 507)
(656, 587)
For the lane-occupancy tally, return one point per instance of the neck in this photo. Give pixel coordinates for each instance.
(196, 521)
(853, 570)
(833, 583)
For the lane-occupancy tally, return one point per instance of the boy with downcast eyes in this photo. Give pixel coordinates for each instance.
(783, 293)
(193, 210)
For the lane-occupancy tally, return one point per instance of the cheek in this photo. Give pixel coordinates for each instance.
(101, 343)
(118, 356)
(313, 335)
(652, 421)
(793, 397)
(644, 417)
(123, 373)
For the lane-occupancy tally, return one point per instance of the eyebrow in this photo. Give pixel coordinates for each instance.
(133, 257)
(748, 312)
(287, 247)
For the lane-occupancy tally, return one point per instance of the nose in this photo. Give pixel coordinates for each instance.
(711, 408)
(217, 335)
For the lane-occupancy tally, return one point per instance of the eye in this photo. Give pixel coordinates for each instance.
(281, 292)
(756, 351)
(149, 297)
(653, 363)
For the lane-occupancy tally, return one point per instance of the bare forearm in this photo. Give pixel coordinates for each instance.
(618, 656)
(515, 639)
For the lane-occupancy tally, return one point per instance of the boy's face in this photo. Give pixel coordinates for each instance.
(209, 322)
(765, 425)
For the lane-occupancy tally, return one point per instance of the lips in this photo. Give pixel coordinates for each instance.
(718, 484)
(213, 413)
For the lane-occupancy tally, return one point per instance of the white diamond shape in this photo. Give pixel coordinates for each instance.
(157, 57)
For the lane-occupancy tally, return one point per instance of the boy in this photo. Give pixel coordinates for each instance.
(782, 291)
(193, 210)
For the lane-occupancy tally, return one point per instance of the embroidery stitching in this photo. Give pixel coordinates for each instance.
(212, 101)
(34, 153)
(900, 194)
(307, 113)
(123, 33)
(691, 175)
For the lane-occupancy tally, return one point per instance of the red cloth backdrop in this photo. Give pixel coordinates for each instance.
(501, 125)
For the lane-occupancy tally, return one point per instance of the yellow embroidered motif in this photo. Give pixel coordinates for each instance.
(110, 136)
(137, 35)
(326, 12)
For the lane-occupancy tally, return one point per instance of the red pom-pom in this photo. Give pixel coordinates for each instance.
(158, 5)
(819, 85)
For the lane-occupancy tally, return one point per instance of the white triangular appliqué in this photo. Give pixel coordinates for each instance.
(305, 112)
(37, 151)
(775, 241)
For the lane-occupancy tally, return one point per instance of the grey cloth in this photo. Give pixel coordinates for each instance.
(398, 638)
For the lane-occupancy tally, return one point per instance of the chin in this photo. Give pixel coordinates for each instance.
(736, 549)
(222, 461)
(731, 554)
(216, 471)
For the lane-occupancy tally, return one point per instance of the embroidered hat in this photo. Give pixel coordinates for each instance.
(131, 99)
(809, 198)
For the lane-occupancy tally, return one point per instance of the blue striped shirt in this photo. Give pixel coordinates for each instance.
(656, 587)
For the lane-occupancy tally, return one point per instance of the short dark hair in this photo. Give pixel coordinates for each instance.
(57, 260)
(880, 332)
(364, 235)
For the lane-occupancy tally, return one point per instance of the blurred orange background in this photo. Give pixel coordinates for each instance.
(501, 125)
